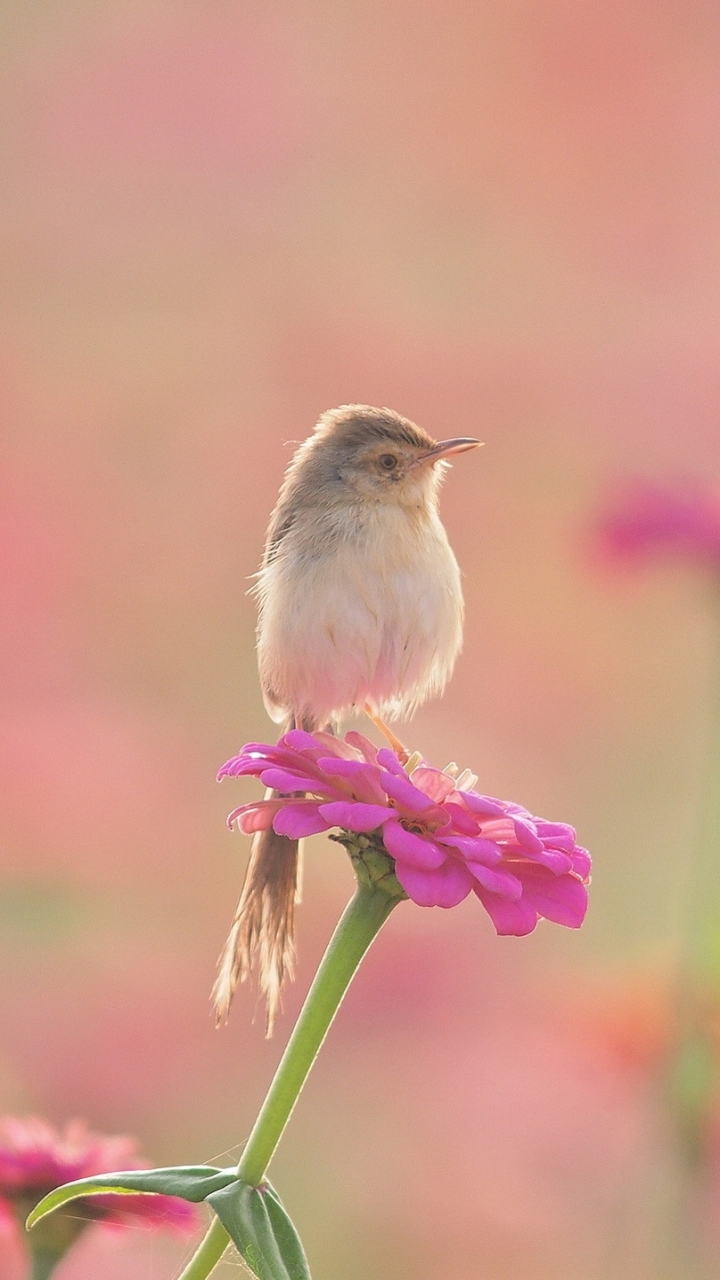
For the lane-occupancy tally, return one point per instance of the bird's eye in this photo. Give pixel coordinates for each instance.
(387, 461)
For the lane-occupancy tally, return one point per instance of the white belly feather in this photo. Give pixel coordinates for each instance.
(378, 619)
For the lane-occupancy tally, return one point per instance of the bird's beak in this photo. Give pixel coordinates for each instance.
(446, 447)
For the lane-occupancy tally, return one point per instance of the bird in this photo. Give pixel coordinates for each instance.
(360, 608)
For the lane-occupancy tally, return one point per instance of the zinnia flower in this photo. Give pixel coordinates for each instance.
(646, 519)
(445, 839)
(35, 1158)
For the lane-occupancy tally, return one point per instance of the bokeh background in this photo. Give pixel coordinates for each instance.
(218, 220)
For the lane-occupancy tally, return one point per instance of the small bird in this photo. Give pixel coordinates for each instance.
(360, 608)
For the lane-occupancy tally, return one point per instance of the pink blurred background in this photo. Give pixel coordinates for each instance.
(218, 220)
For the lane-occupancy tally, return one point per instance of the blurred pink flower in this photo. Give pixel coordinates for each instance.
(445, 840)
(35, 1158)
(645, 519)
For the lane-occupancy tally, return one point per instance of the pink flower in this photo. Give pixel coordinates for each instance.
(445, 841)
(35, 1158)
(647, 519)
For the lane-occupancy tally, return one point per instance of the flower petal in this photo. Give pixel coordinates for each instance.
(365, 778)
(402, 790)
(556, 834)
(334, 746)
(497, 881)
(462, 821)
(444, 887)
(527, 837)
(257, 816)
(486, 806)
(555, 861)
(240, 765)
(474, 848)
(416, 850)
(299, 740)
(345, 768)
(389, 760)
(436, 784)
(272, 753)
(303, 818)
(562, 899)
(363, 745)
(286, 781)
(515, 918)
(355, 816)
(581, 862)
(501, 831)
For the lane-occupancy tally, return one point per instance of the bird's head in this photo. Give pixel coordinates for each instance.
(379, 456)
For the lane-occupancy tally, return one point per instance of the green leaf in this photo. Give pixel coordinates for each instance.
(261, 1230)
(189, 1182)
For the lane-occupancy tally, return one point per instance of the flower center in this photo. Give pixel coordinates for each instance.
(411, 824)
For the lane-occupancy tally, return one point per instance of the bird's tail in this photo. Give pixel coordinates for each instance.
(262, 932)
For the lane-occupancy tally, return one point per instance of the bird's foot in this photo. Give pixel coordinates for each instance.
(401, 752)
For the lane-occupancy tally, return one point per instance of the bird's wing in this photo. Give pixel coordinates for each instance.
(281, 521)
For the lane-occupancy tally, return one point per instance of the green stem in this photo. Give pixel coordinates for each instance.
(44, 1263)
(364, 915)
(208, 1253)
(362, 919)
(51, 1240)
(692, 1072)
(703, 915)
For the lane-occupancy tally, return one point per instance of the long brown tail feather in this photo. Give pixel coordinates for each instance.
(262, 930)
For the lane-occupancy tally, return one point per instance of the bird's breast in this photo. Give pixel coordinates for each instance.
(374, 612)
